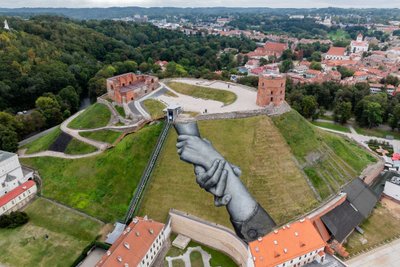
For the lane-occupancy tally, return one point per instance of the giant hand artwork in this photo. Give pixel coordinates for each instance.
(222, 179)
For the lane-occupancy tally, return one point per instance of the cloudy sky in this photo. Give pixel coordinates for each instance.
(197, 3)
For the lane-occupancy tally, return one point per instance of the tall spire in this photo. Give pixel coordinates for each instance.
(6, 25)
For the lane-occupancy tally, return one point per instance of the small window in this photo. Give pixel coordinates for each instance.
(272, 99)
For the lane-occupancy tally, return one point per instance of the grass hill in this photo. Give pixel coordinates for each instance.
(276, 156)
(103, 185)
(328, 160)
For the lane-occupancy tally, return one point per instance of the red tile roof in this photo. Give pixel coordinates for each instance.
(286, 243)
(13, 194)
(133, 244)
(336, 51)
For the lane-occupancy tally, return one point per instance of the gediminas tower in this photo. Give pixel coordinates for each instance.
(271, 89)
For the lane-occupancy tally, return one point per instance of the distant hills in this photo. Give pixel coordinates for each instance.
(117, 12)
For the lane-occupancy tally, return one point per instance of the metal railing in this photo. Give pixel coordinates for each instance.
(147, 173)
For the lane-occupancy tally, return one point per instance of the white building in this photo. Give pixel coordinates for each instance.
(392, 188)
(11, 173)
(138, 245)
(18, 197)
(359, 45)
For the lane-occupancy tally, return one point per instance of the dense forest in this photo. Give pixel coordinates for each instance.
(50, 63)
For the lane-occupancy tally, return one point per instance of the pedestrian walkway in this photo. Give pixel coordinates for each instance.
(385, 256)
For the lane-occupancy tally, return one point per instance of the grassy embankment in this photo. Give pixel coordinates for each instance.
(102, 136)
(154, 108)
(328, 160)
(103, 185)
(257, 147)
(95, 116)
(75, 147)
(202, 92)
(43, 143)
(68, 233)
(121, 111)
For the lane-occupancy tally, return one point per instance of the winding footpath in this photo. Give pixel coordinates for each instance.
(101, 146)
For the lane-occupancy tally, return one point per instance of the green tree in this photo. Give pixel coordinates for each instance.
(345, 72)
(69, 98)
(315, 66)
(309, 106)
(316, 56)
(8, 139)
(50, 109)
(286, 65)
(373, 114)
(342, 112)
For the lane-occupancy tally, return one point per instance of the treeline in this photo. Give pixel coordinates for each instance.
(346, 101)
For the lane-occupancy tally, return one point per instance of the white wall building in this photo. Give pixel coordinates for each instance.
(138, 245)
(18, 197)
(11, 173)
(359, 45)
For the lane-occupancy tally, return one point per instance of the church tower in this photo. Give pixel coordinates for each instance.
(6, 27)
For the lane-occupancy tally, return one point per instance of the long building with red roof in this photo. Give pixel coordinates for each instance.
(295, 244)
(18, 197)
(138, 245)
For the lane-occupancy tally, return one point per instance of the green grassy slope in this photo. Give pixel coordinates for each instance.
(251, 143)
(94, 116)
(43, 143)
(329, 160)
(102, 185)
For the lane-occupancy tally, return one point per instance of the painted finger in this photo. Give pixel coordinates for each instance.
(183, 138)
(220, 188)
(180, 144)
(213, 181)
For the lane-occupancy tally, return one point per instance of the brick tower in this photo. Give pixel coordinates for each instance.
(271, 89)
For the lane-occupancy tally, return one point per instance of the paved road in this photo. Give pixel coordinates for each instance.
(385, 256)
(363, 139)
(246, 98)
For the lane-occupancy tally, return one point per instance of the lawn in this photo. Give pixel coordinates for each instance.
(339, 34)
(154, 107)
(207, 93)
(102, 185)
(217, 258)
(43, 143)
(253, 144)
(95, 116)
(68, 233)
(76, 147)
(120, 110)
(381, 226)
(329, 160)
(377, 132)
(332, 126)
(102, 136)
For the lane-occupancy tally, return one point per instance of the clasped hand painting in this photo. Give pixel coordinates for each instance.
(176, 133)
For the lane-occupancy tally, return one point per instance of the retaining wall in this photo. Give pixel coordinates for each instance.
(211, 235)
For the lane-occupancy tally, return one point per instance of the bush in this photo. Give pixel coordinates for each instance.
(13, 220)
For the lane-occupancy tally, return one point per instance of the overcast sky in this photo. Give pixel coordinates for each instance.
(197, 3)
